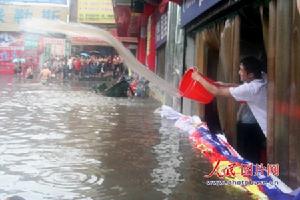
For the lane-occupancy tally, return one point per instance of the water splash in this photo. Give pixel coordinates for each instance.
(77, 29)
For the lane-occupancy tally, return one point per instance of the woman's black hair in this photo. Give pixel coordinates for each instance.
(252, 65)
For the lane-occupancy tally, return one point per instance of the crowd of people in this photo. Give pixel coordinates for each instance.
(84, 67)
(96, 66)
(78, 66)
(25, 69)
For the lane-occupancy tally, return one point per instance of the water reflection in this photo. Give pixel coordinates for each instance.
(65, 142)
(169, 158)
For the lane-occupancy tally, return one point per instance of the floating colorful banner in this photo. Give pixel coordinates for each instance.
(229, 168)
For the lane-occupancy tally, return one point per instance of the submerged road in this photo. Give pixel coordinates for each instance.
(63, 141)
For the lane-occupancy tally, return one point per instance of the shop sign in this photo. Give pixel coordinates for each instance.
(11, 16)
(161, 30)
(9, 53)
(193, 8)
(10, 39)
(61, 2)
(54, 46)
(123, 15)
(96, 11)
(31, 41)
(55, 41)
(6, 67)
(134, 25)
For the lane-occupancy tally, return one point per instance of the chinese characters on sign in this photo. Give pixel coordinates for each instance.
(246, 170)
(61, 2)
(95, 11)
(193, 8)
(20, 14)
(50, 14)
(2, 15)
(55, 46)
(11, 16)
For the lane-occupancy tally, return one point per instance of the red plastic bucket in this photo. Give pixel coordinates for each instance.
(192, 89)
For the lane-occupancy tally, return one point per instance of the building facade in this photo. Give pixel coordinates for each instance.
(17, 44)
(214, 35)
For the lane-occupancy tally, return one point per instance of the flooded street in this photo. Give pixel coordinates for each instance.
(63, 141)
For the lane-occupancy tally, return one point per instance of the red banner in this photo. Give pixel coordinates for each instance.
(9, 53)
(6, 68)
(123, 15)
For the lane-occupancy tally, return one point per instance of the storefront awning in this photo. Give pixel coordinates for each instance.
(97, 42)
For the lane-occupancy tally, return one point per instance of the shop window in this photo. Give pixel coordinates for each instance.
(160, 65)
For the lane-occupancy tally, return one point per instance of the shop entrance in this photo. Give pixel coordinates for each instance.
(251, 142)
(251, 39)
(211, 111)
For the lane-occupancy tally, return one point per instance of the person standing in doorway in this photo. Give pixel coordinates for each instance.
(250, 138)
(253, 92)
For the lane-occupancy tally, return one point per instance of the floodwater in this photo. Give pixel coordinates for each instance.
(63, 141)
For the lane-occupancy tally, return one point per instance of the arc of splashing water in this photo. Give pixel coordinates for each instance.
(77, 29)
